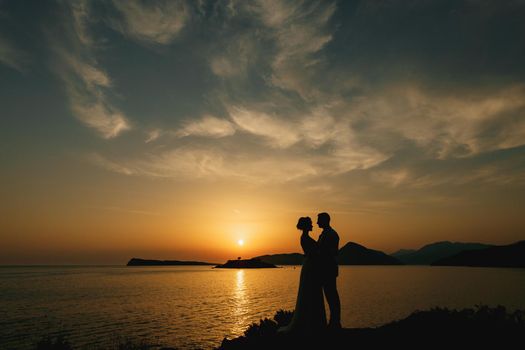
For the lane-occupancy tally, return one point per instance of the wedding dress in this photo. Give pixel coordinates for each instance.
(309, 314)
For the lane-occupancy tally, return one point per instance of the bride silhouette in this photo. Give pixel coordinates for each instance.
(309, 315)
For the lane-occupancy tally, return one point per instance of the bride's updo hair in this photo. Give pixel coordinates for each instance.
(304, 223)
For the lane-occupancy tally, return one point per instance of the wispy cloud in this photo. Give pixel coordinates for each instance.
(156, 22)
(100, 116)
(278, 132)
(207, 126)
(290, 160)
(487, 170)
(110, 165)
(274, 102)
(130, 211)
(235, 57)
(482, 174)
(282, 42)
(12, 56)
(91, 75)
(446, 124)
(319, 127)
(299, 30)
(211, 164)
(86, 83)
(311, 131)
(153, 135)
(177, 163)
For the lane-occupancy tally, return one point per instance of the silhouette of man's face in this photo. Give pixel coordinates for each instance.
(322, 222)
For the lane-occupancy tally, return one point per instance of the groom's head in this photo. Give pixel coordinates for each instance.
(323, 220)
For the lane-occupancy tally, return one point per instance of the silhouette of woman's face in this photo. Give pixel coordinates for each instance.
(305, 225)
(308, 226)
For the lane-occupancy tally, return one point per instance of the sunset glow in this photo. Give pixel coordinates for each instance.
(245, 174)
(191, 131)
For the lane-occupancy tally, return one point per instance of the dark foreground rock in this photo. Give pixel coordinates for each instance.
(437, 328)
(246, 264)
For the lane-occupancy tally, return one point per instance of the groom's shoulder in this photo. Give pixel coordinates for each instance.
(332, 232)
(335, 234)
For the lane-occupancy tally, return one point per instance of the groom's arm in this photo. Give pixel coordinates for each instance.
(334, 244)
(329, 244)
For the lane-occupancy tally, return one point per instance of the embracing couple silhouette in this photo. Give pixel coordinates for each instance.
(318, 274)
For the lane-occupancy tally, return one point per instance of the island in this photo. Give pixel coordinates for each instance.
(283, 259)
(146, 262)
(253, 263)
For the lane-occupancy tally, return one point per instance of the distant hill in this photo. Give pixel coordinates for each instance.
(436, 251)
(351, 254)
(402, 252)
(512, 255)
(145, 262)
(355, 254)
(253, 263)
(283, 259)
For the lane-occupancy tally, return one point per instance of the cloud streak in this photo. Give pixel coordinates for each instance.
(11, 56)
(87, 85)
(279, 133)
(157, 22)
(300, 31)
(209, 126)
(210, 164)
(446, 125)
(286, 102)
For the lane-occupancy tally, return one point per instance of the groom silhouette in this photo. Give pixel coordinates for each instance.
(328, 243)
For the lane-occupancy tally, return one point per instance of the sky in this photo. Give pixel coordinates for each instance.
(173, 129)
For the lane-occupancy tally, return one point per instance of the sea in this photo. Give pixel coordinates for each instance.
(195, 307)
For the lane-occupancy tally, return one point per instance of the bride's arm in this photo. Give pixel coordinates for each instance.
(309, 245)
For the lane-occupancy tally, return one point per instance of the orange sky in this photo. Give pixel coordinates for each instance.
(145, 129)
(79, 215)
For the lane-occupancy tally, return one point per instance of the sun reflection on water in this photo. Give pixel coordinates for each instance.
(240, 304)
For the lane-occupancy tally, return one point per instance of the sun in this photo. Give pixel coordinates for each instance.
(240, 242)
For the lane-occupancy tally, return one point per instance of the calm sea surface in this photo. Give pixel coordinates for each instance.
(196, 307)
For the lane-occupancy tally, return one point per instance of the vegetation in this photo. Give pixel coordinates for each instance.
(439, 327)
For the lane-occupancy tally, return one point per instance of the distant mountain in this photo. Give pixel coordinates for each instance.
(253, 263)
(355, 254)
(283, 259)
(145, 262)
(402, 252)
(512, 255)
(436, 251)
(350, 254)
